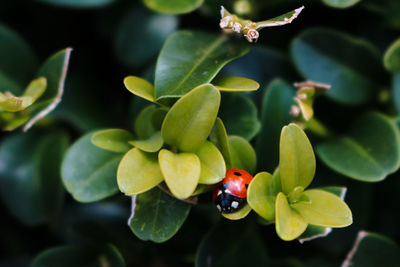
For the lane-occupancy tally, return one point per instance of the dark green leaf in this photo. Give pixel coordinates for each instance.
(67, 256)
(173, 6)
(244, 123)
(157, 216)
(276, 104)
(79, 3)
(391, 58)
(191, 58)
(340, 3)
(369, 152)
(18, 61)
(89, 172)
(30, 183)
(152, 30)
(351, 66)
(232, 244)
(372, 249)
(243, 155)
(396, 91)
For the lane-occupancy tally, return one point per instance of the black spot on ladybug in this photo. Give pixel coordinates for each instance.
(237, 173)
(246, 185)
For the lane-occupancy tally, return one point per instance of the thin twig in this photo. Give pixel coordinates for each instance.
(58, 97)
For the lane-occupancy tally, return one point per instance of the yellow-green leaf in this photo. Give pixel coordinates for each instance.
(115, 140)
(152, 144)
(181, 172)
(240, 214)
(138, 172)
(36, 88)
(289, 224)
(296, 158)
(324, 209)
(243, 155)
(235, 84)
(219, 138)
(140, 87)
(190, 120)
(212, 164)
(261, 195)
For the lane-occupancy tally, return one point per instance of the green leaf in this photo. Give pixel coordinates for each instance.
(351, 66)
(18, 61)
(369, 152)
(54, 69)
(261, 195)
(181, 172)
(324, 209)
(79, 3)
(296, 159)
(244, 123)
(312, 232)
(289, 224)
(340, 3)
(30, 183)
(221, 248)
(144, 129)
(36, 88)
(13, 103)
(391, 59)
(138, 172)
(190, 120)
(115, 140)
(157, 216)
(173, 6)
(152, 144)
(276, 103)
(89, 172)
(68, 255)
(212, 164)
(219, 138)
(140, 87)
(154, 30)
(237, 215)
(235, 84)
(372, 249)
(243, 155)
(396, 91)
(189, 59)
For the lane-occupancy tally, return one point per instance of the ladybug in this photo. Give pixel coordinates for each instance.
(230, 194)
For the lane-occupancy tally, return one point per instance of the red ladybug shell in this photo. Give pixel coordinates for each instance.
(237, 181)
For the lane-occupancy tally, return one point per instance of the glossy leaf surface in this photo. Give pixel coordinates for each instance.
(158, 216)
(289, 224)
(89, 172)
(261, 195)
(243, 155)
(181, 172)
(140, 87)
(152, 144)
(212, 164)
(324, 209)
(173, 6)
(369, 152)
(115, 140)
(235, 84)
(138, 172)
(391, 58)
(351, 66)
(296, 159)
(190, 120)
(189, 59)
